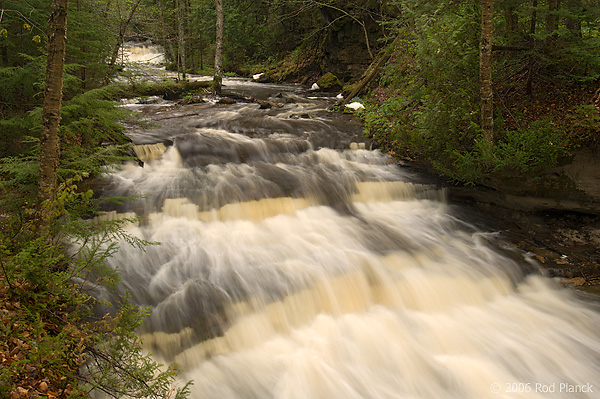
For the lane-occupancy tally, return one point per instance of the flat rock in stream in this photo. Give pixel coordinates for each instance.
(226, 100)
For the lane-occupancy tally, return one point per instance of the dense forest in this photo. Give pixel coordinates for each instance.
(491, 93)
(543, 64)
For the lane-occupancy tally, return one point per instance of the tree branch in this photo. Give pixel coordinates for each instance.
(362, 24)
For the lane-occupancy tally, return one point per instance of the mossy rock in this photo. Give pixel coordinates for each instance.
(329, 82)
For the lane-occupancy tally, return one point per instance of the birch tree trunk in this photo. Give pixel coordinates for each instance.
(218, 75)
(485, 71)
(55, 65)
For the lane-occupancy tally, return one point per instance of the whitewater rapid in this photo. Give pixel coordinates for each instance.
(294, 264)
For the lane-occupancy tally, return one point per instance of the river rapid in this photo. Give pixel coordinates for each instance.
(295, 262)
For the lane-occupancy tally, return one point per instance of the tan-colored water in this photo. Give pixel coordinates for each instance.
(336, 274)
(143, 53)
(149, 152)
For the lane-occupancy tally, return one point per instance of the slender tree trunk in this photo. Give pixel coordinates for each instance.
(529, 86)
(485, 70)
(192, 52)
(552, 24)
(218, 74)
(122, 30)
(166, 35)
(573, 24)
(176, 41)
(201, 53)
(181, 36)
(55, 65)
(512, 19)
(4, 54)
(189, 43)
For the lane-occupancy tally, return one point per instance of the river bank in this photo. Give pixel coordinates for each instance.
(546, 205)
(563, 244)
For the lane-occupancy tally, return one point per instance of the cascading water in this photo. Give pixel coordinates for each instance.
(291, 266)
(150, 53)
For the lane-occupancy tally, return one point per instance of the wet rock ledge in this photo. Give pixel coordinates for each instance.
(556, 218)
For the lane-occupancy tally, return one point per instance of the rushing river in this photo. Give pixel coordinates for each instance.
(294, 262)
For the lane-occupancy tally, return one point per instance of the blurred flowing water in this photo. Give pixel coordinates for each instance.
(143, 53)
(294, 262)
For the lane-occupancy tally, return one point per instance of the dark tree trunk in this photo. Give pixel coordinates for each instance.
(485, 70)
(552, 24)
(573, 24)
(170, 51)
(5, 55)
(512, 19)
(55, 65)
(529, 88)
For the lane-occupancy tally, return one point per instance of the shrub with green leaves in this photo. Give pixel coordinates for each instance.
(525, 152)
(427, 105)
(54, 344)
(432, 82)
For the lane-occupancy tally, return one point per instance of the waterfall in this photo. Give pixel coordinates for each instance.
(143, 53)
(295, 264)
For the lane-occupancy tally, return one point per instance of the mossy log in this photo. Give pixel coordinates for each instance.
(171, 91)
(371, 71)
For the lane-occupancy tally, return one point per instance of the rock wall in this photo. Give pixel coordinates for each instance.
(573, 187)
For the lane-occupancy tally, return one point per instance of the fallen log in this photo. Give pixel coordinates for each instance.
(171, 91)
(264, 104)
(371, 71)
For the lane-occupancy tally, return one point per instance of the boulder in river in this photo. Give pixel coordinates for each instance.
(329, 82)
